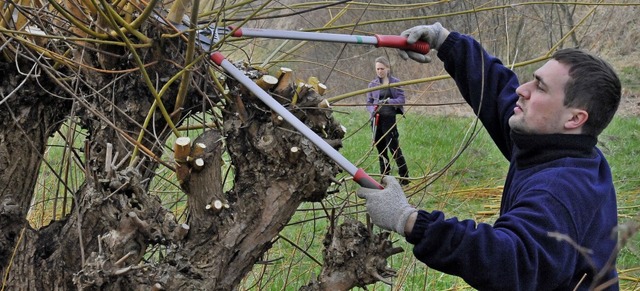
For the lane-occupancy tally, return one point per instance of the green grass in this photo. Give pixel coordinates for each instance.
(469, 189)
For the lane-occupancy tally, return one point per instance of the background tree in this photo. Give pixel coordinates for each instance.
(171, 175)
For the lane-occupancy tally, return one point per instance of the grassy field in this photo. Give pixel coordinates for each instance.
(454, 167)
(468, 188)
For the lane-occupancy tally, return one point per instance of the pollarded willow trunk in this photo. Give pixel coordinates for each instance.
(114, 220)
(117, 235)
(30, 112)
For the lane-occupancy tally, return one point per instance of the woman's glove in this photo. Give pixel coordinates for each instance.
(433, 34)
(388, 207)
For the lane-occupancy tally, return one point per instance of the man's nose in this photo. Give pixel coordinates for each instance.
(523, 90)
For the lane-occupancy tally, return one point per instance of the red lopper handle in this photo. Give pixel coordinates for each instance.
(400, 42)
(365, 180)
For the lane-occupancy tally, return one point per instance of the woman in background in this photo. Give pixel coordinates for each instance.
(383, 105)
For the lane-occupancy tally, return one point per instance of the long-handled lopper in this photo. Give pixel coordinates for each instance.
(374, 129)
(209, 36)
(378, 40)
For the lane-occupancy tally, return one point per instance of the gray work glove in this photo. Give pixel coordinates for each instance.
(388, 207)
(433, 34)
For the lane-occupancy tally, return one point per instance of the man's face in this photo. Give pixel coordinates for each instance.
(540, 108)
(381, 70)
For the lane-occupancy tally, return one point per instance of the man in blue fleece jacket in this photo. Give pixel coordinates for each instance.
(556, 229)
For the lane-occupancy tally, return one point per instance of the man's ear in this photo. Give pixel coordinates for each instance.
(577, 118)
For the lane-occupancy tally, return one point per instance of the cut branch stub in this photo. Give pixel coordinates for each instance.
(277, 119)
(182, 149)
(217, 205)
(188, 157)
(180, 232)
(302, 89)
(284, 80)
(324, 104)
(197, 150)
(197, 164)
(317, 86)
(321, 89)
(294, 154)
(267, 82)
(181, 152)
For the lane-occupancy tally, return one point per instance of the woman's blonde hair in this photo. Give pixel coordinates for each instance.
(385, 62)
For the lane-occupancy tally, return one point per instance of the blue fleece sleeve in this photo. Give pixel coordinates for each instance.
(485, 83)
(514, 254)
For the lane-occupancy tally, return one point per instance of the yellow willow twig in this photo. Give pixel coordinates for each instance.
(216, 81)
(258, 14)
(22, 19)
(228, 7)
(6, 15)
(191, 47)
(162, 91)
(457, 13)
(309, 6)
(546, 56)
(302, 43)
(89, 4)
(77, 23)
(130, 139)
(63, 60)
(166, 86)
(148, 152)
(74, 39)
(128, 28)
(197, 126)
(145, 75)
(422, 80)
(572, 30)
(247, 18)
(370, 6)
(8, 50)
(402, 83)
(45, 52)
(119, 4)
(146, 13)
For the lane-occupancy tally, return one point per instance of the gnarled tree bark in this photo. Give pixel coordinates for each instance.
(118, 235)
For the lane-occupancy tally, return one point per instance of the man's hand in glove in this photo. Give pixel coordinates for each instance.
(388, 207)
(434, 35)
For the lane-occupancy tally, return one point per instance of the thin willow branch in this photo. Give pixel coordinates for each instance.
(191, 47)
(158, 100)
(302, 43)
(456, 13)
(76, 22)
(128, 28)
